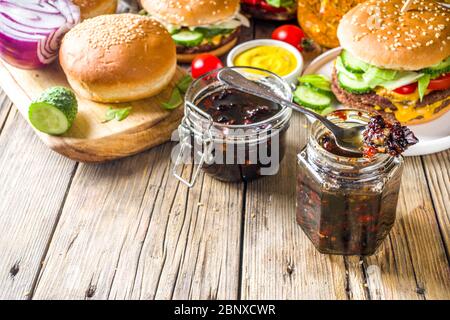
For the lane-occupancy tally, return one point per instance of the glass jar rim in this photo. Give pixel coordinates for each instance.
(284, 113)
(358, 116)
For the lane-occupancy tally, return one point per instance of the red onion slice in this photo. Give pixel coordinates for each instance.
(31, 30)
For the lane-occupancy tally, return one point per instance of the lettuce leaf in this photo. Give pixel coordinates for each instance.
(281, 3)
(402, 79)
(424, 81)
(376, 77)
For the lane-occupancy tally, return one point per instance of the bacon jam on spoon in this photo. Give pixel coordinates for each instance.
(382, 136)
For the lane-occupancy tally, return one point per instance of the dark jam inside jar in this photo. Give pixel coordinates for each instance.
(328, 142)
(233, 107)
(347, 222)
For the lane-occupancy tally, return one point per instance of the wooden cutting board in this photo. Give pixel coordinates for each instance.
(90, 139)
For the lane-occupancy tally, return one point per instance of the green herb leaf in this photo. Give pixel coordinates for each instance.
(280, 3)
(175, 100)
(375, 76)
(117, 113)
(316, 80)
(184, 83)
(209, 33)
(424, 81)
(403, 78)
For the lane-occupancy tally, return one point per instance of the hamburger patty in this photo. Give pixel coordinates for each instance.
(367, 101)
(208, 46)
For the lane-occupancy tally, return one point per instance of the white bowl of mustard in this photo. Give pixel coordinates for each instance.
(276, 56)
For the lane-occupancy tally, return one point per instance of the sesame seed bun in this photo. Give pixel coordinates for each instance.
(93, 8)
(118, 58)
(191, 13)
(378, 33)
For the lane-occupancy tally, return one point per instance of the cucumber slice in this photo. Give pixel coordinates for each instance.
(48, 118)
(438, 69)
(326, 111)
(352, 85)
(311, 98)
(209, 33)
(188, 38)
(352, 63)
(318, 81)
(54, 112)
(319, 90)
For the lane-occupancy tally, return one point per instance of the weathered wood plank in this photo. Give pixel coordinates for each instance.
(102, 210)
(5, 107)
(437, 169)
(413, 263)
(193, 252)
(130, 230)
(33, 183)
(356, 279)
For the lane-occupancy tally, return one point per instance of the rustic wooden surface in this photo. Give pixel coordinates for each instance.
(91, 139)
(128, 230)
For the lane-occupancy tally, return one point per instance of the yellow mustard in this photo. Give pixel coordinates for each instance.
(275, 59)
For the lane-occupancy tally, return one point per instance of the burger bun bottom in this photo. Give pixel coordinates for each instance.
(120, 92)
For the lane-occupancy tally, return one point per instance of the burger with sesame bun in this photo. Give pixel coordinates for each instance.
(395, 63)
(199, 26)
(93, 8)
(118, 58)
(280, 10)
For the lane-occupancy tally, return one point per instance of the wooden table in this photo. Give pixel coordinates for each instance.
(129, 230)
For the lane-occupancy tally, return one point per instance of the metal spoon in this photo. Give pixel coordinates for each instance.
(349, 139)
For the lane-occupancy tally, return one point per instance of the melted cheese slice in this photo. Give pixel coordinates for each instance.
(406, 105)
(408, 113)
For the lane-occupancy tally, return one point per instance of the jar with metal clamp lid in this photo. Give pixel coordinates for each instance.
(231, 135)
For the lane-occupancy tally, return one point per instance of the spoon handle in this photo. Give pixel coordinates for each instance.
(330, 125)
(239, 82)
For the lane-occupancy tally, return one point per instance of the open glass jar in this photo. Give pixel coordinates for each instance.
(346, 204)
(240, 149)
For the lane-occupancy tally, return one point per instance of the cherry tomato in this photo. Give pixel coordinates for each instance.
(205, 63)
(408, 89)
(290, 34)
(441, 83)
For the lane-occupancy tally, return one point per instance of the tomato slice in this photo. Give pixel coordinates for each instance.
(441, 83)
(408, 89)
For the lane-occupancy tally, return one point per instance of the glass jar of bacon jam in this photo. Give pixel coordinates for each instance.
(231, 135)
(346, 203)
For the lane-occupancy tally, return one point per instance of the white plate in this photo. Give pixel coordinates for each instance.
(433, 136)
